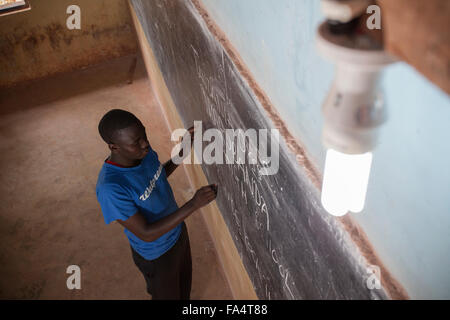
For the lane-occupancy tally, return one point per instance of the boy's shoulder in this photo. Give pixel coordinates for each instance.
(104, 174)
(110, 180)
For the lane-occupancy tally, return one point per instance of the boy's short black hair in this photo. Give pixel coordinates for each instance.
(115, 120)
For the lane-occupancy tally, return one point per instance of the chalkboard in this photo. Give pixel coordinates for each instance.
(289, 246)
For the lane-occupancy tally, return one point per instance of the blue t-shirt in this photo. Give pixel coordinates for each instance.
(122, 192)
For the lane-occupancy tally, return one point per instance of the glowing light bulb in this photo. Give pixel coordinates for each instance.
(353, 112)
(345, 181)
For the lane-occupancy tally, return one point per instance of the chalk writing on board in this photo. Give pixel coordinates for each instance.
(283, 240)
(247, 178)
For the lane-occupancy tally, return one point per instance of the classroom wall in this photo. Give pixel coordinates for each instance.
(406, 217)
(324, 261)
(37, 43)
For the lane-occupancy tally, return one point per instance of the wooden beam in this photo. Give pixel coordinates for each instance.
(10, 8)
(417, 32)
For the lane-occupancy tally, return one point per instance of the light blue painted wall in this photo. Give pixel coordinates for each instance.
(407, 213)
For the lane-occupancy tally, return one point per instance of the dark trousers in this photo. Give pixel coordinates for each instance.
(169, 277)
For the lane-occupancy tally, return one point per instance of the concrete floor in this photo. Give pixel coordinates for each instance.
(51, 154)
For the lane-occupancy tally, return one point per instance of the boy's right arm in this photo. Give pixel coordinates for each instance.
(145, 231)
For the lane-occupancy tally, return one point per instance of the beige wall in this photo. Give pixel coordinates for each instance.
(37, 43)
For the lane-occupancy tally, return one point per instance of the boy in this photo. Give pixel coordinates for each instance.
(132, 188)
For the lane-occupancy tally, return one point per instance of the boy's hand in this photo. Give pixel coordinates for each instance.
(204, 195)
(191, 132)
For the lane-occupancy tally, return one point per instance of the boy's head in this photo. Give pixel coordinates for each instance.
(124, 134)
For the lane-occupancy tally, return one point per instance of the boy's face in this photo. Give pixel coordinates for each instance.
(131, 143)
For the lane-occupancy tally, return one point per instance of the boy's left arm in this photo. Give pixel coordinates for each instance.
(170, 166)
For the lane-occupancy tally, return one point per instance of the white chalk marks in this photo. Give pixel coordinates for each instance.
(247, 202)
